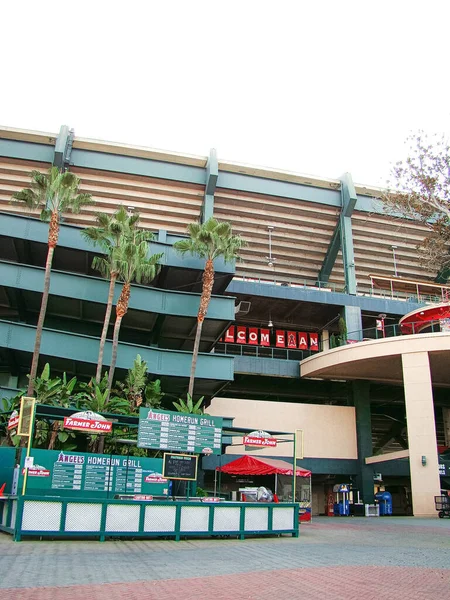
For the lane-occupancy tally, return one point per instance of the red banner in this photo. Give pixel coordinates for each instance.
(265, 337)
(314, 342)
(87, 424)
(229, 334)
(292, 339)
(302, 341)
(280, 339)
(253, 336)
(241, 337)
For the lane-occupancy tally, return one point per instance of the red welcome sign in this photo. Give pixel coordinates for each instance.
(255, 336)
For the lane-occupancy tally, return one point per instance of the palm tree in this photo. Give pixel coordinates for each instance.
(53, 193)
(133, 265)
(210, 240)
(109, 234)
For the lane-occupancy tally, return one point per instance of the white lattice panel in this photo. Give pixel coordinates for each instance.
(256, 519)
(41, 516)
(283, 518)
(226, 518)
(83, 517)
(159, 518)
(194, 518)
(122, 518)
(13, 510)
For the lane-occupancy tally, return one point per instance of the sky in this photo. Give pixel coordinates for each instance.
(315, 87)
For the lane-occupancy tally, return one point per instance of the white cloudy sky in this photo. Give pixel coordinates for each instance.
(317, 87)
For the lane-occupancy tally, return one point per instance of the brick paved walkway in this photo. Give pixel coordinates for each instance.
(333, 559)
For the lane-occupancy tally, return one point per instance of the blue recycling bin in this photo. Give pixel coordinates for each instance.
(384, 499)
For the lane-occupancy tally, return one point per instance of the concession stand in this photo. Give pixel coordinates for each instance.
(283, 472)
(66, 493)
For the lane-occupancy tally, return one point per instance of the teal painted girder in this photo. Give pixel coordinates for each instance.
(93, 289)
(137, 166)
(189, 174)
(176, 363)
(342, 238)
(272, 367)
(26, 228)
(309, 294)
(348, 198)
(27, 151)
(212, 173)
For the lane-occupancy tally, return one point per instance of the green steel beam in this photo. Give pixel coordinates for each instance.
(361, 400)
(342, 237)
(331, 255)
(348, 198)
(164, 170)
(26, 150)
(137, 166)
(63, 147)
(212, 174)
(93, 289)
(175, 363)
(26, 228)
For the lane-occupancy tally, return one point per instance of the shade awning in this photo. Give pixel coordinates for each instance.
(249, 465)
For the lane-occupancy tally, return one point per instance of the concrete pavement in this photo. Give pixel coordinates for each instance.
(334, 558)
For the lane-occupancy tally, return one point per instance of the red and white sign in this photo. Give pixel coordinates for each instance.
(13, 420)
(253, 336)
(259, 441)
(241, 335)
(155, 478)
(37, 472)
(142, 497)
(87, 424)
(229, 334)
(314, 341)
(263, 337)
(280, 339)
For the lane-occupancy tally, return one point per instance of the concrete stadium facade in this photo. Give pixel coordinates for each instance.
(318, 249)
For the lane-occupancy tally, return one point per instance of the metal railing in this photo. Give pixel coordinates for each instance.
(395, 330)
(263, 351)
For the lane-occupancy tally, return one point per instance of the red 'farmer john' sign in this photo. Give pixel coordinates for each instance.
(87, 424)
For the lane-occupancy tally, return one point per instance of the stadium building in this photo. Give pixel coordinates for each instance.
(302, 334)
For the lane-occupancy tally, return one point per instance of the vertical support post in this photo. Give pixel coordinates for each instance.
(212, 174)
(423, 457)
(353, 321)
(294, 470)
(348, 199)
(361, 400)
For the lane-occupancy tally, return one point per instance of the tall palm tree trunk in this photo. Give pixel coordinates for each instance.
(52, 241)
(112, 284)
(121, 310)
(208, 282)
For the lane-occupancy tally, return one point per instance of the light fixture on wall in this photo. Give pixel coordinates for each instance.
(395, 260)
(270, 323)
(270, 259)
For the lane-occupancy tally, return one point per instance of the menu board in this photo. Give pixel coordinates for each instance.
(168, 430)
(94, 475)
(180, 466)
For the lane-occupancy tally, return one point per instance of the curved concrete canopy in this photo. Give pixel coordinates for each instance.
(381, 360)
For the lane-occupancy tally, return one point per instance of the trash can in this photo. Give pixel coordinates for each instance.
(384, 500)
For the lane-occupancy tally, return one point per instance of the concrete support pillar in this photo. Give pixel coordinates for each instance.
(361, 400)
(352, 316)
(423, 457)
(325, 340)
